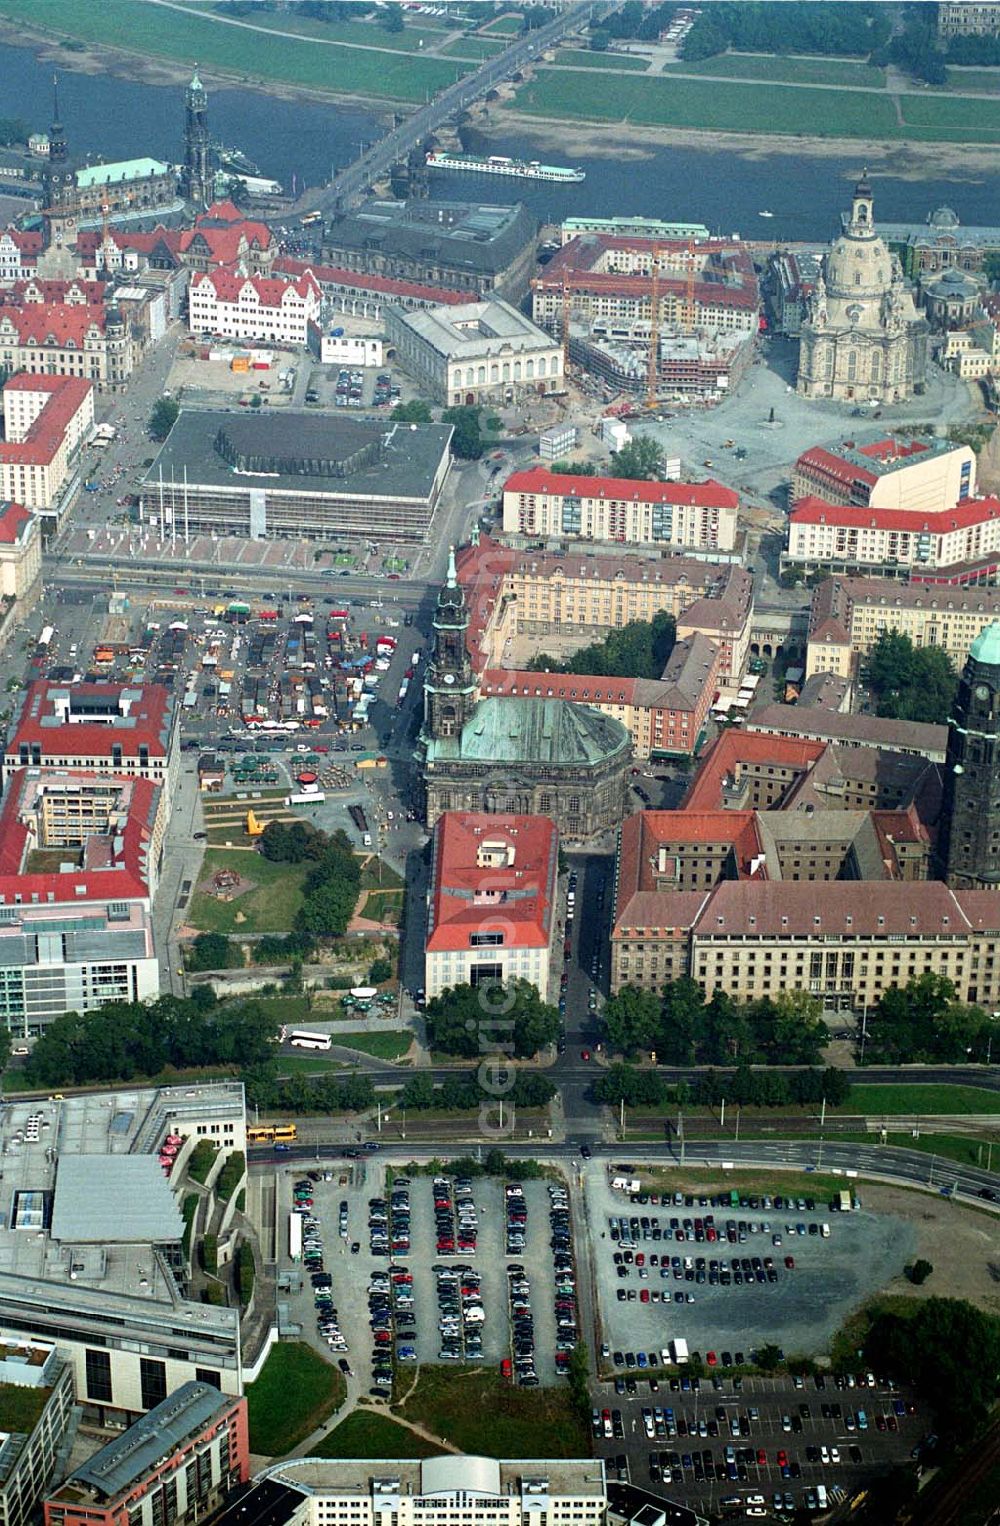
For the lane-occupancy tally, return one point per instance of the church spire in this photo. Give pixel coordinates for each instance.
(452, 569)
(57, 137)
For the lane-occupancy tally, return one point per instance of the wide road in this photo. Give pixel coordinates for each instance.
(911, 1167)
(353, 182)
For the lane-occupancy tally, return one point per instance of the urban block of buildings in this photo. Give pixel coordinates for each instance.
(891, 472)
(515, 756)
(476, 352)
(300, 474)
(176, 1463)
(863, 337)
(968, 18)
(226, 304)
(487, 251)
(20, 559)
(363, 295)
(36, 1415)
(92, 1253)
(848, 614)
(491, 905)
(941, 243)
(688, 516)
(47, 421)
(99, 728)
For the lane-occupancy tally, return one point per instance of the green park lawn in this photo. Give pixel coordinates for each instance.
(580, 58)
(474, 47)
(940, 116)
(270, 907)
(774, 67)
(477, 1411)
(920, 1097)
(973, 79)
(658, 101)
(381, 1046)
(182, 36)
(367, 1434)
(507, 26)
(295, 1393)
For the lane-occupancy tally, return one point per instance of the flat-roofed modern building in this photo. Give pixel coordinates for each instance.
(477, 353)
(36, 1407)
(91, 1254)
(892, 472)
(492, 900)
(304, 475)
(177, 1463)
(440, 1491)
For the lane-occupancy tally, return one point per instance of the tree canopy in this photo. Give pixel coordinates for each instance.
(638, 650)
(467, 440)
(798, 26)
(922, 1022)
(949, 1350)
(685, 1029)
(910, 683)
(333, 882)
(415, 412)
(163, 417)
(127, 1039)
(474, 1020)
(640, 460)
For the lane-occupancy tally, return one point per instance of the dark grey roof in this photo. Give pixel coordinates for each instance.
(266, 1503)
(405, 467)
(464, 235)
(185, 1412)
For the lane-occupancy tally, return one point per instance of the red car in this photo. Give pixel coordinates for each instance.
(790, 1263)
(761, 1457)
(585, 1054)
(711, 1359)
(644, 1295)
(782, 1459)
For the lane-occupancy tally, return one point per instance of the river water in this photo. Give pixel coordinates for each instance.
(116, 118)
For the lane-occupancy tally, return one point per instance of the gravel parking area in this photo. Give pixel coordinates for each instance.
(799, 1308)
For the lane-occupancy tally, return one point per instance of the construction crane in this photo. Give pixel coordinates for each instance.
(689, 304)
(653, 359)
(565, 326)
(105, 210)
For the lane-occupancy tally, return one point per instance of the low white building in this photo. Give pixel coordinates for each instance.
(253, 307)
(47, 419)
(448, 1491)
(340, 349)
(477, 352)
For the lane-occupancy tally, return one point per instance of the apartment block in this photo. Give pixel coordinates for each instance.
(849, 614)
(694, 516)
(47, 420)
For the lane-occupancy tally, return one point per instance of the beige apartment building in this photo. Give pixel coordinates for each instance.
(893, 472)
(849, 615)
(513, 593)
(698, 516)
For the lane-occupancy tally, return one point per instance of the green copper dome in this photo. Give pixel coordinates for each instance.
(986, 647)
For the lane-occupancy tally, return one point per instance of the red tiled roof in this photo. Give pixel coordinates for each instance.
(537, 479)
(466, 898)
(120, 872)
(227, 286)
(879, 908)
(28, 243)
(13, 519)
(481, 571)
(35, 289)
(67, 395)
(60, 323)
(569, 686)
(972, 511)
(147, 723)
(387, 286)
(572, 267)
(733, 747)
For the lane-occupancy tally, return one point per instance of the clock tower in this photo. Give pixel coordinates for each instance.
(450, 685)
(969, 833)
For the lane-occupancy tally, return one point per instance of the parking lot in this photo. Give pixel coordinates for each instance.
(424, 1269)
(721, 1275)
(762, 1443)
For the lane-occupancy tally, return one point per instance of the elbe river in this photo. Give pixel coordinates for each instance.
(112, 118)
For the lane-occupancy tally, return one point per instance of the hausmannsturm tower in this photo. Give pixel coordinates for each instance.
(969, 833)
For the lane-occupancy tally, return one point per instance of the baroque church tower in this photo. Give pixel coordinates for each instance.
(969, 833)
(197, 176)
(450, 685)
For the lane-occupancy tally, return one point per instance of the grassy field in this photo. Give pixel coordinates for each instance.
(800, 71)
(269, 908)
(806, 1183)
(765, 108)
(580, 58)
(381, 1046)
(921, 1098)
(478, 1412)
(294, 1394)
(172, 34)
(364, 34)
(663, 102)
(966, 1150)
(507, 26)
(973, 79)
(384, 906)
(474, 47)
(367, 1434)
(371, 879)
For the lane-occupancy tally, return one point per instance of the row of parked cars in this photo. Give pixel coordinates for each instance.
(521, 1364)
(461, 1314)
(563, 1274)
(389, 1221)
(327, 1317)
(456, 1221)
(515, 1217)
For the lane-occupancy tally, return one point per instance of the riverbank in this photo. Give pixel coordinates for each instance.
(575, 139)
